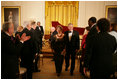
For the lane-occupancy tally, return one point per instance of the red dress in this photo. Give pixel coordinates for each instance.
(83, 46)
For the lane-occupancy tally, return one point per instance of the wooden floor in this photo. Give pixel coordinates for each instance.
(48, 71)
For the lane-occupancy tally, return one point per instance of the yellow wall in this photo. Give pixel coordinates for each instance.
(35, 10)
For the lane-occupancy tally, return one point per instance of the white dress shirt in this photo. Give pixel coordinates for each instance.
(70, 35)
(93, 25)
(113, 33)
(39, 28)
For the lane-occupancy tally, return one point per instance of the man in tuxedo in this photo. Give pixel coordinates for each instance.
(72, 45)
(40, 34)
(10, 51)
(28, 50)
(98, 58)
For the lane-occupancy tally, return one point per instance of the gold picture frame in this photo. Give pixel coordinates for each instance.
(12, 14)
(111, 13)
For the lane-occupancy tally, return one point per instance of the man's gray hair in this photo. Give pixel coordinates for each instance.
(52, 28)
(70, 24)
(33, 22)
(26, 23)
(6, 26)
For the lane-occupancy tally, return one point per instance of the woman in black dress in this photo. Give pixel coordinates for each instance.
(58, 46)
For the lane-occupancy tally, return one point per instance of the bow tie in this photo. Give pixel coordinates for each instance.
(69, 31)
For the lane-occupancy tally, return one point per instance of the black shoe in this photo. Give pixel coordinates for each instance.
(58, 74)
(71, 73)
(66, 69)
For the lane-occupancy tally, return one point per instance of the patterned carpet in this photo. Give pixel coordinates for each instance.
(48, 71)
(48, 68)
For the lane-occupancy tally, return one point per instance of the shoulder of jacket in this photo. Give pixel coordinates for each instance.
(65, 32)
(76, 32)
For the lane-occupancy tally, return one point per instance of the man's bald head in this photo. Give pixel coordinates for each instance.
(52, 29)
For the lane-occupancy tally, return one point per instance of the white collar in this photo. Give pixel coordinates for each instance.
(7, 33)
(93, 25)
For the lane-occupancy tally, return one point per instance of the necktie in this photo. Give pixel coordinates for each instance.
(69, 31)
(12, 38)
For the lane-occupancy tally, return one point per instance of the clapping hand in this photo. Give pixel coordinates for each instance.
(18, 36)
(24, 37)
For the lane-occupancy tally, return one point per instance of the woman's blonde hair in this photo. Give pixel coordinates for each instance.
(19, 28)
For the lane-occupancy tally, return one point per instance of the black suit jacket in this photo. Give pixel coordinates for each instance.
(29, 49)
(9, 56)
(52, 35)
(41, 31)
(74, 43)
(52, 38)
(98, 57)
(91, 33)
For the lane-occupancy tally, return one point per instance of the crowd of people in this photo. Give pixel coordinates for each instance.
(99, 48)
(24, 47)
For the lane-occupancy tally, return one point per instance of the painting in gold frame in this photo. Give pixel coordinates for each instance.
(11, 14)
(111, 13)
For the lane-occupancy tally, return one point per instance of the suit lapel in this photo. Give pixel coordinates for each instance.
(72, 35)
(41, 28)
(67, 36)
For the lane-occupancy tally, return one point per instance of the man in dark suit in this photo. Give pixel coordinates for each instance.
(36, 41)
(98, 58)
(40, 34)
(10, 51)
(28, 51)
(72, 45)
(53, 33)
(93, 30)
